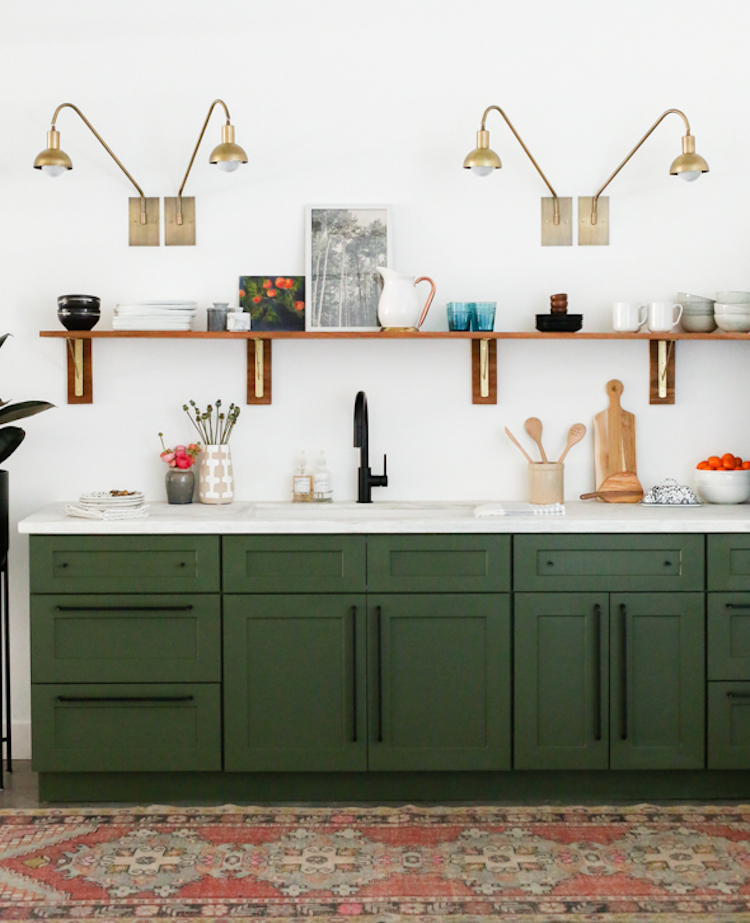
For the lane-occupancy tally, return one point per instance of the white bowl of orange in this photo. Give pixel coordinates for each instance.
(723, 479)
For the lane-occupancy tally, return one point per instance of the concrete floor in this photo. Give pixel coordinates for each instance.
(20, 787)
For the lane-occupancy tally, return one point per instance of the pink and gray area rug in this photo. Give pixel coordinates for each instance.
(377, 865)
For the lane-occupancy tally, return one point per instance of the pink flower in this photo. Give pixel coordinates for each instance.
(184, 461)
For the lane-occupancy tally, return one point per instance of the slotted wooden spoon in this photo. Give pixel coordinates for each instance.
(534, 429)
(576, 432)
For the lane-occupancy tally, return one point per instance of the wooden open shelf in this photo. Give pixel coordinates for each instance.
(483, 353)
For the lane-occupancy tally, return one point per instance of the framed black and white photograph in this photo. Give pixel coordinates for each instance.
(345, 247)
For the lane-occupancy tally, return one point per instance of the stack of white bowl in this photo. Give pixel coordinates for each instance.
(697, 313)
(732, 311)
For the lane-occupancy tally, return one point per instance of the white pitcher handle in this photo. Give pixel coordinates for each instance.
(427, 304)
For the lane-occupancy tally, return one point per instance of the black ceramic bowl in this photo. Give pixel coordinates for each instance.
(78, 312)
(559, 323)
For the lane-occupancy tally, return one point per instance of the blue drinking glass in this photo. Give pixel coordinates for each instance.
(459, 315)
(484, 315)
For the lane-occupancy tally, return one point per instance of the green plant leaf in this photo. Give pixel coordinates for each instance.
(10, 439)
(3, 338)
(23, 409)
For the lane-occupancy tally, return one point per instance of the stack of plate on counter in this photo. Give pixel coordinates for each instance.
(155, 315)
(110, 504)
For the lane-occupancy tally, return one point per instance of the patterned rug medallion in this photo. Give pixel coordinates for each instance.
(377, 865)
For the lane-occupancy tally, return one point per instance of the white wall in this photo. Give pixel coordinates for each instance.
(343, 102)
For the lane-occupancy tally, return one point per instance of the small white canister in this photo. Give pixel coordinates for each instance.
(238, 320)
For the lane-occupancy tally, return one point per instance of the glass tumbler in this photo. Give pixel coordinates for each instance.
(459, 315)
(484, 315)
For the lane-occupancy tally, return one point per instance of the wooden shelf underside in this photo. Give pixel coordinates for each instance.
(382, 335)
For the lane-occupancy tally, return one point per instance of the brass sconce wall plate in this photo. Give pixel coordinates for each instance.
(143, 235)
(179, 235)
(593, 234)
(557, 235)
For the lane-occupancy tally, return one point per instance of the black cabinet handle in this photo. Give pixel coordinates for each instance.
(597, 672)
(183, 564)
(123, 608)
(738, 606)
(354, 674)
(379, 628)
(623, 672)
(667, 563)
(124, 698)
(738, 695)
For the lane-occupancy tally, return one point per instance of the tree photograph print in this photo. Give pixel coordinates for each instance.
(345, 246)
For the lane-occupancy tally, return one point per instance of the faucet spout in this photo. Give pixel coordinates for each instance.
(366, 480)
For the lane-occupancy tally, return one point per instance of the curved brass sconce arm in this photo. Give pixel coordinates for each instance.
(556, 205)
(53, 141)
(688, 148)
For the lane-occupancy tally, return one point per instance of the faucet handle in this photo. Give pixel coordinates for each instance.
(380, 480)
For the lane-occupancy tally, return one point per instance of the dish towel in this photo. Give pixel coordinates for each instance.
(510, 508)
(107, 515)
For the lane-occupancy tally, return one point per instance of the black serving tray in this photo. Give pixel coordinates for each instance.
(559, 323)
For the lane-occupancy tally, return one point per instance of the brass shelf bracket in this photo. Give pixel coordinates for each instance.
(80, 390)
(258, 371)
(662, 371)
(484, 371)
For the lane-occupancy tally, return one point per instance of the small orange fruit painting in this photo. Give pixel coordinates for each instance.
(274, 302)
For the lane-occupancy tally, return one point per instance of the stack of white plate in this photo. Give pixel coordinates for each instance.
(155, 315)
(111, 500)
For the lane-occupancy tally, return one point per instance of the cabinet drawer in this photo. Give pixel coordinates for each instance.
(125, 564)
(438, 563)
(729, 562)
(729, 725)
(126, 728)
(126, 639)
(293, 563)
(663, 563)
(729, 636)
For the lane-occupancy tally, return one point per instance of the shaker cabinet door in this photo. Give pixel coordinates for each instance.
(657, 705)
(294, 682)
(439, 681)
(561, 681)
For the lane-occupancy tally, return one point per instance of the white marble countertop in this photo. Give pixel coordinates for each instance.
(243, 517)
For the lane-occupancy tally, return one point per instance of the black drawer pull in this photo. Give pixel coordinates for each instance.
(125, 698)
(667, 563)
(123, 608)
(738, 695)
(738, 606)
(550, 563)
(64, 564)
(623, 673)
(354, 674)
(183, 564)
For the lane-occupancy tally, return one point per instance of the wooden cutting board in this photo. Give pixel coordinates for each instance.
(614, 437)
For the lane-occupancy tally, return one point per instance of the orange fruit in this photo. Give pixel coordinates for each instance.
(727, 460)
(746, 466)
(704, 466)
(714, 461)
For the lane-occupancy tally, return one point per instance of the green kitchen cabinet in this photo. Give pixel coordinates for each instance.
(657, 699)
(439, 681)
(609, 681)
(561, 681)
(295, 682)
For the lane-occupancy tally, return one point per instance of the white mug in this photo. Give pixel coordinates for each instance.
(627, 317)
(661, 315)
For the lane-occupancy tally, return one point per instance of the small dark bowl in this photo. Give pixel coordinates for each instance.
(78, 312)
(559, 323)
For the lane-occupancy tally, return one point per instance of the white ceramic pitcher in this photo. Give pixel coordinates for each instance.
(399, 306)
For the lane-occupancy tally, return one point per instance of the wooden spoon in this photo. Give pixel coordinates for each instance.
(534, 429)
(516, 442)
(576, 432)
(623, 487)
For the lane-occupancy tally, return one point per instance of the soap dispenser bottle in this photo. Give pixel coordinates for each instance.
(322, 486)
(301, 481)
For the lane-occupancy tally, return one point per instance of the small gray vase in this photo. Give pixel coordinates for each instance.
(180, 485)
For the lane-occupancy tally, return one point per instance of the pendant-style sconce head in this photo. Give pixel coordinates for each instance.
(593, 211)
(179, 211)
(144, 212)
(557, 229)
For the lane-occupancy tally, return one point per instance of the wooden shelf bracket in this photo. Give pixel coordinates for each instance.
(661, 371)
(80, 387)
(484, 371)
(258, 371)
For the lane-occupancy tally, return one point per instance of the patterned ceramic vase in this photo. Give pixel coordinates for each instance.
(216, 482)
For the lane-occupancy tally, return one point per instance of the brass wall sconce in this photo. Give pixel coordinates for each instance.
(557, 227)
(593, 212)
(143, 220)
(179, 211)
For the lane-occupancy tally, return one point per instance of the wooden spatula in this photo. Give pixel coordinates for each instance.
(623, 487)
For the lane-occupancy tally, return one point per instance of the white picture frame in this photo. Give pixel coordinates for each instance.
(344, 245)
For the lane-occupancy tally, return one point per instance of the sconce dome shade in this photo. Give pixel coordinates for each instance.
(688, 163)
(55, 159)
(484, 158)
(228, 156)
